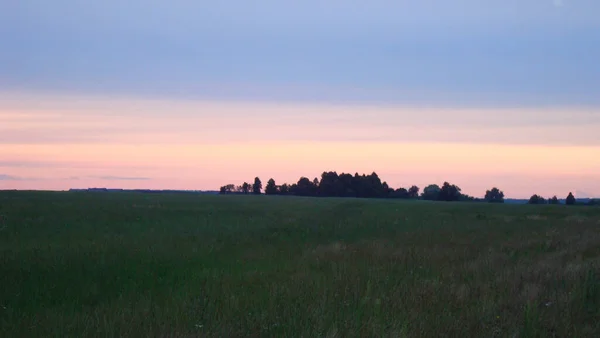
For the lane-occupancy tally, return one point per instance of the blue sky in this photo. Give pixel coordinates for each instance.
(449, 53)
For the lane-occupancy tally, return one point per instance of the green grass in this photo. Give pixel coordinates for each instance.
(119, 265)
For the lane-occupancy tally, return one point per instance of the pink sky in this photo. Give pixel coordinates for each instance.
(61, 142)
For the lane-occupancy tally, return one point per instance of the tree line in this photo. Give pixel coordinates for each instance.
(570, 200)
(332, 184)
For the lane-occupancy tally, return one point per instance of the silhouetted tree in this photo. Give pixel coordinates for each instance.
(257, 186)
(271, 188)
(376, 187)
(449, 192)
(304, 187)
(284, 189)
(413, 192)
(467, 198)
(399, 193)
(227, 189)
(245, 188)
(330, 185)
(570, 199)
(359, 185)
(494, 196)
(553, 200)
(431, 192)
(386, 189)
(536, 199)
(347, 185)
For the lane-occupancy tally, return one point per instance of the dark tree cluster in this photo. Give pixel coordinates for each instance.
(245, 188)
(332, 184)
(570, 200)
(537, 199)
(447, 192)
(494, 196)
(343, 185)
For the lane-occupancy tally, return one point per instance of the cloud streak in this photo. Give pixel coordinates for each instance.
(122, 178)
(90, 120)
(4, 177)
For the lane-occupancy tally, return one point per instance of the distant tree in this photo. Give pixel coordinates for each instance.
(467, 198)
(399, 193)
(413, 192)
(553, 200)
(245, 188)
(227, 189)
(536, 199)
(386, 189)
(304, 187)
(359, 185)
(257, 186)
(570, 199)
(376, 187)
(449, 192)
(330, 185)
(271, 188)
(284, 189)
(345, 185)
(431, 192)
(494, 196)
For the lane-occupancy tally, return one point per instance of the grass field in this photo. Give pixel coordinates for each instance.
(143, 265)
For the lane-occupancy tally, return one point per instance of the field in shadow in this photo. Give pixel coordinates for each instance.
(85, 264)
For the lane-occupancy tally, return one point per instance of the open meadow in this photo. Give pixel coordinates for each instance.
(177, 265)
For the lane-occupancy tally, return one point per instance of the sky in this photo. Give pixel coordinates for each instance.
(198, 94)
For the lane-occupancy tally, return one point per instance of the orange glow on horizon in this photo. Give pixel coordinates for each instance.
(199, 145)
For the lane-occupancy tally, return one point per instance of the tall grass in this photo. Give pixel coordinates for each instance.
(80, 264)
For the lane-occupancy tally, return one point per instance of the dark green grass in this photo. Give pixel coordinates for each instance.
(80, 264)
